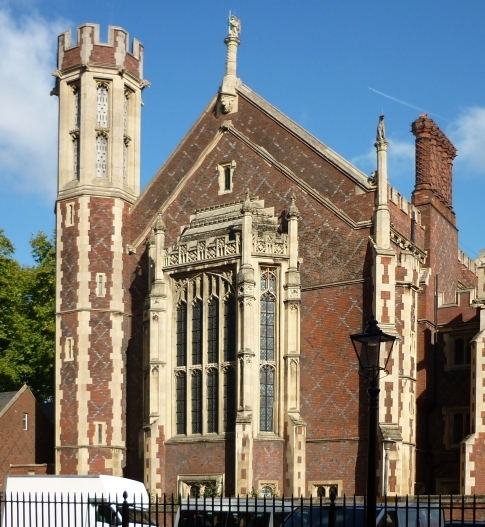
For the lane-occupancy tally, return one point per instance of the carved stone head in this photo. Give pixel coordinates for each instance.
(227, 103)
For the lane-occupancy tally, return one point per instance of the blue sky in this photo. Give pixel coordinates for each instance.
(315, 60)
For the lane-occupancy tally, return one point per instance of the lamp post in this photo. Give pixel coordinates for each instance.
(372, 363)
(388, 442)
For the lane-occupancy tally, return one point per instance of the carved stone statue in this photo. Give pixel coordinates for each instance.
(381, 129)
(234, 26)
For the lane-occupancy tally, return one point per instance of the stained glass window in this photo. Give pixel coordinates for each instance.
(212, 400)
(205, 334)
(213, 330)
(181, 403)
(229, 394)
(75, 155)
(197, 332)
(230, 329)
(196, 402)
(267, 315)
(267, 326)
(182, 334)
(102, 100)
(101, 155)
(76, 94)
(266, 386)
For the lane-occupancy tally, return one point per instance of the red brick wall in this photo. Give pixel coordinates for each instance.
(69, 267)
(268, 462)
(193, 459)
(17, 444)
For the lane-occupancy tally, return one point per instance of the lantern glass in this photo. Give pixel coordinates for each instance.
(373, 349)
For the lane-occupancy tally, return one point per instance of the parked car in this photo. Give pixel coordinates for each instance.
(277, 513)
(353, 515)
(232, 512)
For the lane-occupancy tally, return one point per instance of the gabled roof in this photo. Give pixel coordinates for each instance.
(327, 153)
(204, 137)
(7, 399)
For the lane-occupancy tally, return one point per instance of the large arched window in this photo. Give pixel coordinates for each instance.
(267, 331)
(205, 344)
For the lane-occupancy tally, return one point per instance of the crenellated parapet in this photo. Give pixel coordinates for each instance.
(90, 50)
(404, 205)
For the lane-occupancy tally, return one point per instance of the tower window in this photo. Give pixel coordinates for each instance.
(100, 284)
(77, 106)
(70, 214)
(99, 433)
(101, 155)
(69, 349)
(25, 421)
(75, 156)
(102, 106)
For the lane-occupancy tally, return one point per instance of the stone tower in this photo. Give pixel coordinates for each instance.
(99, 88)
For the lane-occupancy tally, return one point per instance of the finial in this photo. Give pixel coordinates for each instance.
(160, 224)
(293, 210)
(228, 96)
(247, 203)
(381, 129)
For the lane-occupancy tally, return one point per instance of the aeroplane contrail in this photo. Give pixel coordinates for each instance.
(408, 104)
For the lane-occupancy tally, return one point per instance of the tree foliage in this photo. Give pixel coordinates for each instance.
(27, 318)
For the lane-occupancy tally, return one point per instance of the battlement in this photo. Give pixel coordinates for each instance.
(404, 205)
(89, 50)
(467, 261)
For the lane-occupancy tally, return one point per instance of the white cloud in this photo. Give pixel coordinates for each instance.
(468, 135)
(28, 115)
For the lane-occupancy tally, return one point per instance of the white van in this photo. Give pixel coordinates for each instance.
(81, 501)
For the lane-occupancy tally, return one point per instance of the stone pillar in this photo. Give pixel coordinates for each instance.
(295, 427)
(246, 358)
(155, 364)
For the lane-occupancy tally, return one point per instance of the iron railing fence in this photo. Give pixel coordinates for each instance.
(71, 510)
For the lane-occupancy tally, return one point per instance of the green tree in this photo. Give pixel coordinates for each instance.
(27, 318)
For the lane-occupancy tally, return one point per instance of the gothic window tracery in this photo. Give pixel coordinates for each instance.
(267, 349)
(101, 154)
(102, 106)
(205, 322)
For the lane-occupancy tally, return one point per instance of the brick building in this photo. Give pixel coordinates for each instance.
(26, 435)
(203, 323)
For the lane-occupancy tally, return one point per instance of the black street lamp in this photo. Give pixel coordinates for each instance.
(372, 363)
